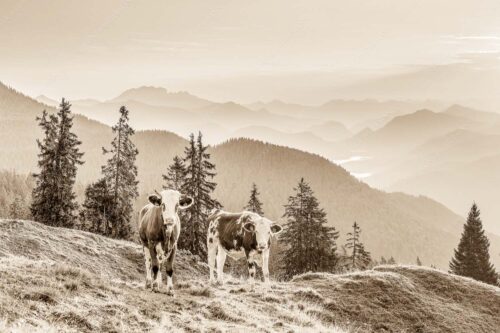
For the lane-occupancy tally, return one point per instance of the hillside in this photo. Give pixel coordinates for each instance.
(389, 221)
(408, 131)
(62, 280)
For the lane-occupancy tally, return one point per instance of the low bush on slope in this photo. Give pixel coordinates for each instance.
(65, 280)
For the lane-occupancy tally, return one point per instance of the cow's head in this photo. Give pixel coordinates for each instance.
(170, 202)
(261, 227)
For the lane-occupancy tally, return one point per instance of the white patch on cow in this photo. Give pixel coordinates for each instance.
(170, 285)
(212, 251)
(147, 259)
(169, 206)
(160, 254)
(265, 266)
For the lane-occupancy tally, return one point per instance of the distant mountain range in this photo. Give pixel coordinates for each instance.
(388, 143)
(394, 224)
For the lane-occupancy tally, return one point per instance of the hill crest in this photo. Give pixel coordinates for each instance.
(56, 279)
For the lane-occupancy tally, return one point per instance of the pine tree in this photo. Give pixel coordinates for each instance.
(97, 212)
(472, 258)
(391, 261)
(419, 263)
(198, 184)
(53, 199)
(254, 204)
(311, 243)
(383, 261)
(120, 175)
(360, 258)
(176, 175)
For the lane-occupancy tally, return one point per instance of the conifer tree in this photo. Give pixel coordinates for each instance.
(97, 212)
(383, 261)
(359, 258)
(198, 184)
(254, 204)
(176, 175)
(472, 258)
(311, 243)
(419, 263)
(120, 174)
(53, 199)
(391, 261)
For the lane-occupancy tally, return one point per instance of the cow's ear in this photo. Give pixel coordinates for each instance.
(249, 226)
(185, 202)
(276, 229)
(154, 199)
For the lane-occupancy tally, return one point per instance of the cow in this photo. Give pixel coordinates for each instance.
(245, 231)
(159, 228)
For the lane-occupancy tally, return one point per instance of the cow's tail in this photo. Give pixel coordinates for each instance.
(213, 214)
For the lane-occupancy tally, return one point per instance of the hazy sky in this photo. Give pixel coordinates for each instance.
(241, 50)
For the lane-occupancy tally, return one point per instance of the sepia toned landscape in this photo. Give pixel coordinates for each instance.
(356, 145)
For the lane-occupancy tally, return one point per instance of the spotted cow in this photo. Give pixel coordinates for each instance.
(246, 232)
(159, 228)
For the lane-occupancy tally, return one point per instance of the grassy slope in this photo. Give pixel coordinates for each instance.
(66, 280)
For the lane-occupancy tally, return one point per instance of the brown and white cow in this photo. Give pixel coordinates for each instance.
(159, 228)
(245, 231)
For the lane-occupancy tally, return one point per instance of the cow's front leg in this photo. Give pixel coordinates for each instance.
(147, 259)
(265, 266)
(252, 268)
(211, 253)
(221, 260)
(170, 270)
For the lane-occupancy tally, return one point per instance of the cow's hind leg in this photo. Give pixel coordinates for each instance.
(170, 271)
(147, 259)
(221, 259)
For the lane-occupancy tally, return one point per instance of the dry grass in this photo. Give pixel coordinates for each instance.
(59, 280)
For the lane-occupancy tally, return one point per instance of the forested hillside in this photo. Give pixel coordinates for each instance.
(394, 224)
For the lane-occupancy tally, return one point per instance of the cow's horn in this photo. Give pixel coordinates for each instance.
(157, 193)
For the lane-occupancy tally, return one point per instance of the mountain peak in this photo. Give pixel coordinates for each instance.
(159, 96)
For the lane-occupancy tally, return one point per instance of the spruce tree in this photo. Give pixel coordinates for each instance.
(53, 199)
(198, 184)
(383, 261)
(360, 258)
(391, 261)
(98, 209)
(472, 258)
(254, 204)
(176, 175)
(43, 193)
(311, 243)
(120, 174)
(419, 263)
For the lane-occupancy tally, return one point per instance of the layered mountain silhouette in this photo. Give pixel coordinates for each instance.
(394, 224)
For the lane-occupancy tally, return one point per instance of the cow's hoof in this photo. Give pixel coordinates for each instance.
(170, 292)
(148, 284)
(156, 287)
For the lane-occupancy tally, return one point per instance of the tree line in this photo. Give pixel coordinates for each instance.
(309, 243)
